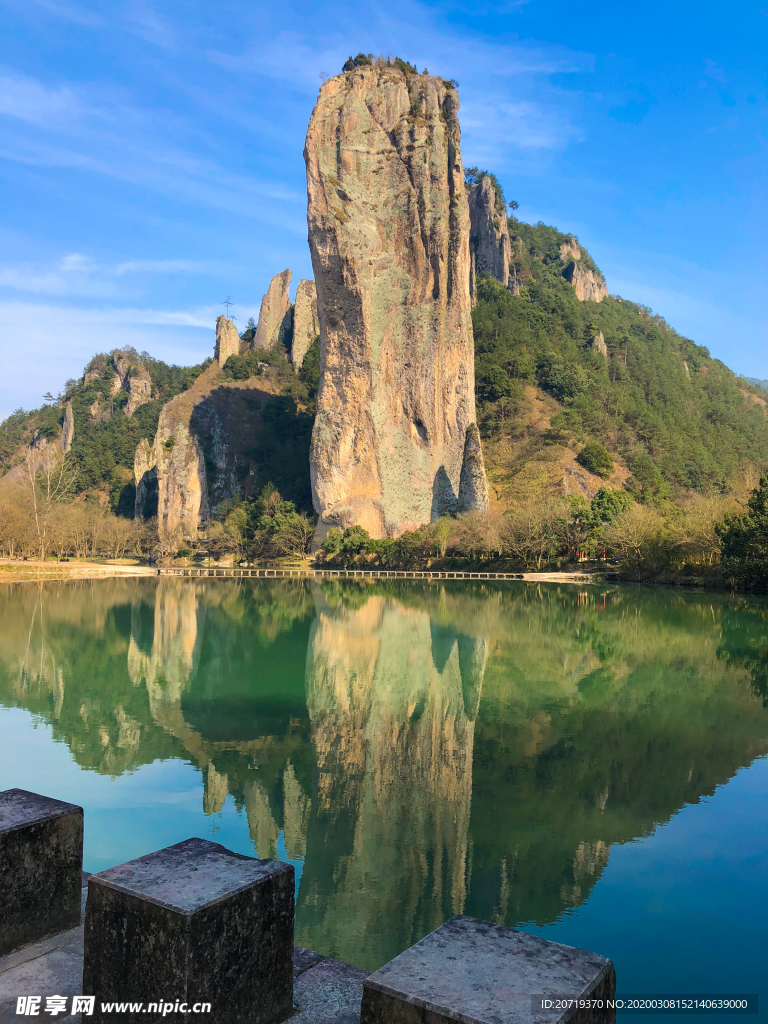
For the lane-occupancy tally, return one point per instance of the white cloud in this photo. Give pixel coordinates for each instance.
(148, 24)
(99, 142)
(28, 100)
(164, 267)
(35, 365)
(68, 12)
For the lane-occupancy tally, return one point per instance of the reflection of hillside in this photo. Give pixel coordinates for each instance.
(202, 663)
(111, 666)
(392, 696)
(63, 656)
(607, 714)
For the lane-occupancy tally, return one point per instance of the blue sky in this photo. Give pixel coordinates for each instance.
(151, 157)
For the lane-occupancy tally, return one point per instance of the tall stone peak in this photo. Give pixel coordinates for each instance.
(306, 326)
(227, 340)
(598, 344)
(489, 245)
(275, 315)
(389, 238)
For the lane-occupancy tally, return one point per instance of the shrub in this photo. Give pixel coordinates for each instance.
(595, 458)
(564, 382)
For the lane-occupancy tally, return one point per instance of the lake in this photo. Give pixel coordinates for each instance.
(586, 763)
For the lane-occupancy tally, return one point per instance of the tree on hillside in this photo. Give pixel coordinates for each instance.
(744, 541)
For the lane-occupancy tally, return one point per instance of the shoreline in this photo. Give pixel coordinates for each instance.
(36, 572)
(13, 572)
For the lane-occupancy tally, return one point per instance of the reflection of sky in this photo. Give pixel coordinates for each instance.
(680, 911)
(684, 911)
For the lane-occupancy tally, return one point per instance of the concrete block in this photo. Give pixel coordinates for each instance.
(193, 923)
(329, 993)
(479, 973)
(41, 859)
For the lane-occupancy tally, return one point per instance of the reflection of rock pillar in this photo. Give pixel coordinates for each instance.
(394, 747)
(261, 825)
(216, 790)
(168, 669)
(296, 808)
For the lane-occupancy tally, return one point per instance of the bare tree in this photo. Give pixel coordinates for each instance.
(48, 481)
(533, 532)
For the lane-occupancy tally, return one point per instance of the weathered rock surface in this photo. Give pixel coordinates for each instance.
(182, 491)
(306, 326)
(588, 284)
(598, 343)
(202, 453)
(134, 378)
(227, 340)
(473, 485)
(275, 315)
(389, 237)
(489, 245)
(67, 428)
(145, 477)
(570, 250)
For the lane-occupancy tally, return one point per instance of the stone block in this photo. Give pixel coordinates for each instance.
(41, 859)
(329, 993)
(479, 973)
(193, 923)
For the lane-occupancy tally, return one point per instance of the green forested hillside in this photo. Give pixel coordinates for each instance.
(105, 440)
(679, 419)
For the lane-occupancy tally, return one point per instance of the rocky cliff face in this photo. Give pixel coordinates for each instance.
(306, 326)
(589, 284)
(134, 378)
(389, 238)
(227, 340)
(489, 245)
(275, 315)
(145, 476)
(202, 452)
(67, 428)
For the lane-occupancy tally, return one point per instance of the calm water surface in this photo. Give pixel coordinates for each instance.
(589, 765)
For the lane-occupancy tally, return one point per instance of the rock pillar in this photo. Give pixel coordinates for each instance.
(275, 315)
(305, 323)
(489, 244)
(227, 340)
(389, 237)
(67, 428)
